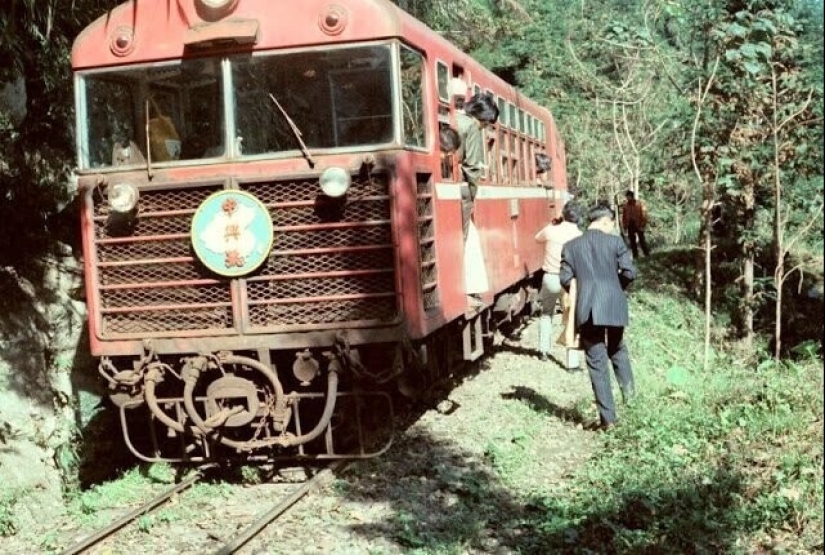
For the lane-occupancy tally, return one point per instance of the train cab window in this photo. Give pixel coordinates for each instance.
(111, 124)
(315, 100)
(412, 98)
(179, 103)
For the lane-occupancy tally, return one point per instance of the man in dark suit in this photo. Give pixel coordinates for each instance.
(601, 264)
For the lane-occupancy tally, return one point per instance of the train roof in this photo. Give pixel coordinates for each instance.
(142, 31)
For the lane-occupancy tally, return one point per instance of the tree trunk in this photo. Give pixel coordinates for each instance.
(748, 301)
(778, 240)
(707, 241)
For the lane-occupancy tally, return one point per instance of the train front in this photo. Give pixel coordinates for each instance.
(240, 257)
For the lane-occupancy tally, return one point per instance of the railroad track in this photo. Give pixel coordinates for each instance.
(231, 546)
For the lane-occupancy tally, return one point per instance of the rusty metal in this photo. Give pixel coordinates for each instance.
(197, 448)
(231, 387)
(133, 515)
(153, 377)
(329, 407)
(305, 367)
(197, 366)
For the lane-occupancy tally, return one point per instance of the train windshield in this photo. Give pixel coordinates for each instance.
(327, 99)
(174, 113)
(178, 107)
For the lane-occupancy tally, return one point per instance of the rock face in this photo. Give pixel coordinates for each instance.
(42, 345)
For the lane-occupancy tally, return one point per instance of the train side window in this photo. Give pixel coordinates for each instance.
(490, 152)
(502, 112)
(412, 99)
(443, 79)
(448, 145)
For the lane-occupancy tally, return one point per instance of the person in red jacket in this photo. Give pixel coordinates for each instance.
(634, 221)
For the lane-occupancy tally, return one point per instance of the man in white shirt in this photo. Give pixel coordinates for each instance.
(554, 236)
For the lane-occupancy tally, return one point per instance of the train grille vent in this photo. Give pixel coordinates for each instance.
(426, 241)
(330, 263)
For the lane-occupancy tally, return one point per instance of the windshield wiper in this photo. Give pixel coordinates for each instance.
(295, 131)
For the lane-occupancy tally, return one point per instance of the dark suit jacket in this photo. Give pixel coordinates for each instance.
(603, 268)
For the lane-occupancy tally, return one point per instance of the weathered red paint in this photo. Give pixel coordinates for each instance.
(158, 35)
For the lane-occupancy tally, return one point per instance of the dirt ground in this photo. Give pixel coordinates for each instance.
(441, 483)
(460, 478)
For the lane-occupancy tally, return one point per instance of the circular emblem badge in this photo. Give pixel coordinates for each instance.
(232, 233)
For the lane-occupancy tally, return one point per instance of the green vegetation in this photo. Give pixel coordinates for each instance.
(723, 461)
(8, 526)
(97, 505)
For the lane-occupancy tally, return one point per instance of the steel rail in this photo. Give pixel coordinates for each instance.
(134, 515)
(255, 528)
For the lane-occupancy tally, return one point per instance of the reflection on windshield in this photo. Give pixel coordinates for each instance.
(180, 105)
(335, 98)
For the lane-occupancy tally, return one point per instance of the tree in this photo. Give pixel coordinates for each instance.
(38, 152)
(753, 40)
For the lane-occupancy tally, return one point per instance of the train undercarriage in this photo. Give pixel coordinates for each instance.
(266, 405)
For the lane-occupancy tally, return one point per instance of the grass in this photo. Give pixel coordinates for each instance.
(8, 524)
(727, 460)
(94, 506)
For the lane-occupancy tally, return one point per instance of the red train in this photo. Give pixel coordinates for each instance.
(272, 237)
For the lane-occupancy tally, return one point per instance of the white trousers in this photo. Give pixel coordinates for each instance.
(475, 271)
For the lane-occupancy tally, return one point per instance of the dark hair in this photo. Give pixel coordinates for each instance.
(572, 212)
(482, 107)
(543, 163)
(448, 139)
(601, 210)
(629, 193)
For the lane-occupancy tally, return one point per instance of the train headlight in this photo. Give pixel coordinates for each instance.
(123, 197)
(335, 182)
(217, 8)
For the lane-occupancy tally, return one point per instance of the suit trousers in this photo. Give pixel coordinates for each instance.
(601, 343)
(636, 236)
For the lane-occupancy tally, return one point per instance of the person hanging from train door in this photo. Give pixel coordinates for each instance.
(471, 119)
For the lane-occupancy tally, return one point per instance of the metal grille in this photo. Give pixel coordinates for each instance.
(426, 237)
(331, 261)
(148, 280)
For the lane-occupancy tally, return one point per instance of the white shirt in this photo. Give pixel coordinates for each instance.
(554, 236)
